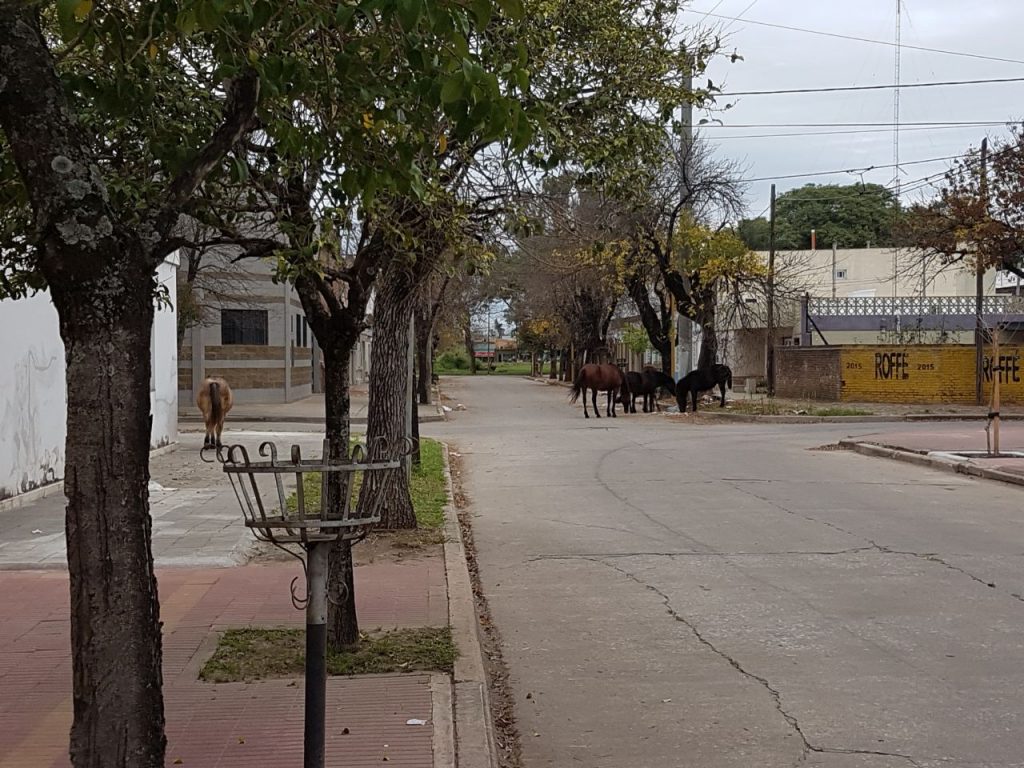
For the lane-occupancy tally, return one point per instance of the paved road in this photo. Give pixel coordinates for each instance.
(680, 595)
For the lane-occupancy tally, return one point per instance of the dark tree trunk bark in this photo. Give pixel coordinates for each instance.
(656, 323)
(709, 338)
(416, 456)
(424, 363)
(467, 339)
(389, 377)
(553, 373)
(115, 623)
(342, 622)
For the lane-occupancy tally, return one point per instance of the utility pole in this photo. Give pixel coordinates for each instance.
(979, 323)
(770, 325)
(835, 247)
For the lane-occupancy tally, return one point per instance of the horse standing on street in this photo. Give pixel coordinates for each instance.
(647, 383)
(602, 377)
(702, 380)
(214, 400)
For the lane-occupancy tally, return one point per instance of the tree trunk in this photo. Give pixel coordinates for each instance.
(709, 339)
(416, 455)
(115, 622)
(389, 377)
(342, 622)
(553, 373)
(424, 366)
(467, 339)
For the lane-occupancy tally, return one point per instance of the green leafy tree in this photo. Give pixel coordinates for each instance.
(756, 233)
(850, 215)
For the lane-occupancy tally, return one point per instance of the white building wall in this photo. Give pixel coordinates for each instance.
(33, 399)
(164, 381)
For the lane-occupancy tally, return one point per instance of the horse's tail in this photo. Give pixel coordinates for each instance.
(728, 377)
(577, 387)
(215, 404)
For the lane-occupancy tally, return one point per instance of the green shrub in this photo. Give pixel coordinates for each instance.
(452, 361)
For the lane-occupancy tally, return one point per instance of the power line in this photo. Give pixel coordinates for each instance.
(851, 170)
(836, 133)
(859, 39)
(948, 123)
(887, 86)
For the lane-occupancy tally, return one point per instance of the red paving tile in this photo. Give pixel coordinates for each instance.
(221, 726)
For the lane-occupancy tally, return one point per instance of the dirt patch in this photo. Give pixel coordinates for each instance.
(501, 698)
(387, 546)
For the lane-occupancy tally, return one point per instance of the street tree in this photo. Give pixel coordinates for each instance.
(849, 215)
(977, 219)
(113, 116)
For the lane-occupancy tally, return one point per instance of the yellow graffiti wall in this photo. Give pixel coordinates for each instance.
(927, 374)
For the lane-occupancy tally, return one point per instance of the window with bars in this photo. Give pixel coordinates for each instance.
(301, 331)
(243, 326)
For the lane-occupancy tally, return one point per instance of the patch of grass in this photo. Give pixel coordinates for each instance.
(838, 411)
(254, 654)
(500, 369)
(426, 487)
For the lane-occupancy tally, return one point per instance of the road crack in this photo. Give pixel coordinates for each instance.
(807, 746)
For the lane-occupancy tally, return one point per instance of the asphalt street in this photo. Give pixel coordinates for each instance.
(679, 594)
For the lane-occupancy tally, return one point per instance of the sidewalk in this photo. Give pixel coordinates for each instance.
(309, 410)
(942, 446)
(233, 724)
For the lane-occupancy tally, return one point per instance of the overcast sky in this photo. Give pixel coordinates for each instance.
(780, 59)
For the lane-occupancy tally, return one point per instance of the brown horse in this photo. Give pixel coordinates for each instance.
(214, 400)
(600, 378)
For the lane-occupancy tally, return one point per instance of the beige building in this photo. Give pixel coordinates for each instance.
(854, 296)
(254, 333)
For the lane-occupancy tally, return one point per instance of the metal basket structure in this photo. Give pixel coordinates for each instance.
(260, 487)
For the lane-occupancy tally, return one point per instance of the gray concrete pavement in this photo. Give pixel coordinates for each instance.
(197, 521)
(672, 594)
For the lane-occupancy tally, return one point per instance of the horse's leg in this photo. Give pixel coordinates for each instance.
(585, 414)
(593, 396)
(694, 394)
(722, 387)
(611, 403)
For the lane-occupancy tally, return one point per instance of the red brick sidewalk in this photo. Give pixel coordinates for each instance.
(216, 726)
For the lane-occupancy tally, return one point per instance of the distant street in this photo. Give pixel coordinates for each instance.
(721, 595)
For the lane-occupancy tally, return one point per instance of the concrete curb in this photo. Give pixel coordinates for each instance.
(963, 467)
(443, 721)
(880, 419)
(23, 499)
(294, 419)
(475, 744)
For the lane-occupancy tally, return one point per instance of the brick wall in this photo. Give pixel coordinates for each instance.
(244, 352)
(927, 374)
(807, 373)
(250, 378)
(942, 373)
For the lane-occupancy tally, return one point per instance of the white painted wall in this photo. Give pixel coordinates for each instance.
(33, 401)
(164, 386)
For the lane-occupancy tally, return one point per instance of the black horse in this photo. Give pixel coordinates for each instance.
(698, 381)
(647, 383)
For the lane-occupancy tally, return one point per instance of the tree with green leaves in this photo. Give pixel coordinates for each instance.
(121, 119)
(90, 198)
(849, 215)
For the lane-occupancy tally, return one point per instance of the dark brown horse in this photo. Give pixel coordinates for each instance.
(646, 384)
(702, 380)
(600, 378)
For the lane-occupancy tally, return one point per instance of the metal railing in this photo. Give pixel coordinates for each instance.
(889, 306)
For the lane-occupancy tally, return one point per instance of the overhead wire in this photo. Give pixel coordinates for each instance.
(879, 87)
(823, 33)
